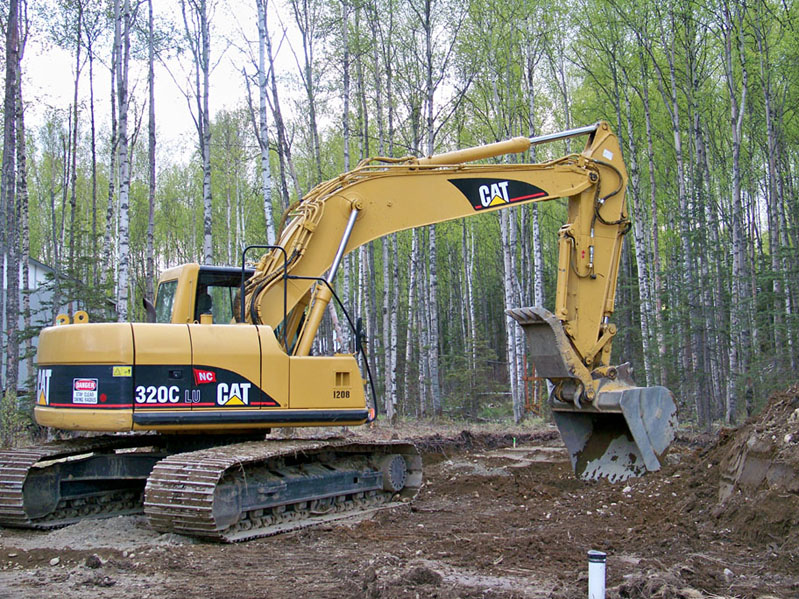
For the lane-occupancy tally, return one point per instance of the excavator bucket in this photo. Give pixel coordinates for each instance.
(624, 432)
(627, 436)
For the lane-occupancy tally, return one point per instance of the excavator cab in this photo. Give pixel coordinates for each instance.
(199, 293)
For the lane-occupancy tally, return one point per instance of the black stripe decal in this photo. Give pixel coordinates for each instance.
(247, 417)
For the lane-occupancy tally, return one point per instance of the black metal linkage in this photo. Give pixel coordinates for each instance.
(352, 327)
(284, 277)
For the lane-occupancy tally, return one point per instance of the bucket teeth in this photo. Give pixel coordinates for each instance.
(627, 437)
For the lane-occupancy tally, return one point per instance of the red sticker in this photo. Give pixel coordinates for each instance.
(85, 384)
(204, 376)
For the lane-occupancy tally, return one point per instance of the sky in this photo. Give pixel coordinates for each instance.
(48, 76)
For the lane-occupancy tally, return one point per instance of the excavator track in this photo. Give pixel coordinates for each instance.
(63, 482)
(248, 490)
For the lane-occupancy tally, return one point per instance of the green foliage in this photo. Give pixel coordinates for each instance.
(13, 421)
(501, 68)
(475, 392)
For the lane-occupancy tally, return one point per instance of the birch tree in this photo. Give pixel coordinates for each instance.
(306, 15)
(122, 27)
(22, 196)
(732, 20)
(262, 132)
(78, 7)
(9, 254)
(150, 258)
(197, 30)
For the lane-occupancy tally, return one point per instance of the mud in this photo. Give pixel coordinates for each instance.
(492, 521)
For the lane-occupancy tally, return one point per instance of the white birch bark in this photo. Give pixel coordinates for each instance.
(305, 16)
(24, 219)
(393, 349)
(73, 205)
(263, 129)
(91, 34)
(9, 245)
(655, 228)
(113, 173)
(733, 35)
(198, 38)
(510, 324)
(283, 149)
(639, 234)
(122, 33)
(150, 269)
(385, 300)
(775, 187)
(433, 341)
(413, 332)
(670, 100)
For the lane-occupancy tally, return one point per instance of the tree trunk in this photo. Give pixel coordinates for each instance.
(122, 34)
(149, 290)
(263, 130)
(433, 357)
(639, 234)
(74, 145)
(283, 148)
(90, 52)
(8, 215)
(204, 132)
(306, 17)
(510, 323)
(198, 38)
(393, 348)
(24, 222)
(738, 357)
(413, 331)
(655, 229)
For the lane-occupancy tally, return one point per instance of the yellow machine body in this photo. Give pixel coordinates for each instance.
(189, 377)
(231, 356)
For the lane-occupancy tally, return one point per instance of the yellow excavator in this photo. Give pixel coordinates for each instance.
(227, 357)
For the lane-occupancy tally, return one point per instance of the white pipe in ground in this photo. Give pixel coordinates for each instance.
(596, 574)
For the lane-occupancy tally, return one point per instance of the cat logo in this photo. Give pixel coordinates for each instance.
(494, 195)
(43, 386)
(488, 193)
(235, 394)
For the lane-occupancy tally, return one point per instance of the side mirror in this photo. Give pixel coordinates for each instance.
(149, 308)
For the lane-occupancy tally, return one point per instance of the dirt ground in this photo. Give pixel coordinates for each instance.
(492, 521)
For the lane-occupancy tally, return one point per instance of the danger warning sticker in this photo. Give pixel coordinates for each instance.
(84, 391)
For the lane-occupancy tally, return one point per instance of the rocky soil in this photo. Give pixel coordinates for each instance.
(492, 521)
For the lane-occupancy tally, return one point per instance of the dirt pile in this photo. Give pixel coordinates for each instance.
(652, 584)
(468, 441)
(759, 474)
(493, 519)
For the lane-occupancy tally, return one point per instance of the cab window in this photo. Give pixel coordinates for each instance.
(217, 292)
(164, 300)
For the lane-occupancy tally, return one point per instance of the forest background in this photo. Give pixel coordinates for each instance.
(703, 96)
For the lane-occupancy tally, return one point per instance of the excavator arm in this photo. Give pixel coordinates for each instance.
(611, 427)
(381, 197)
